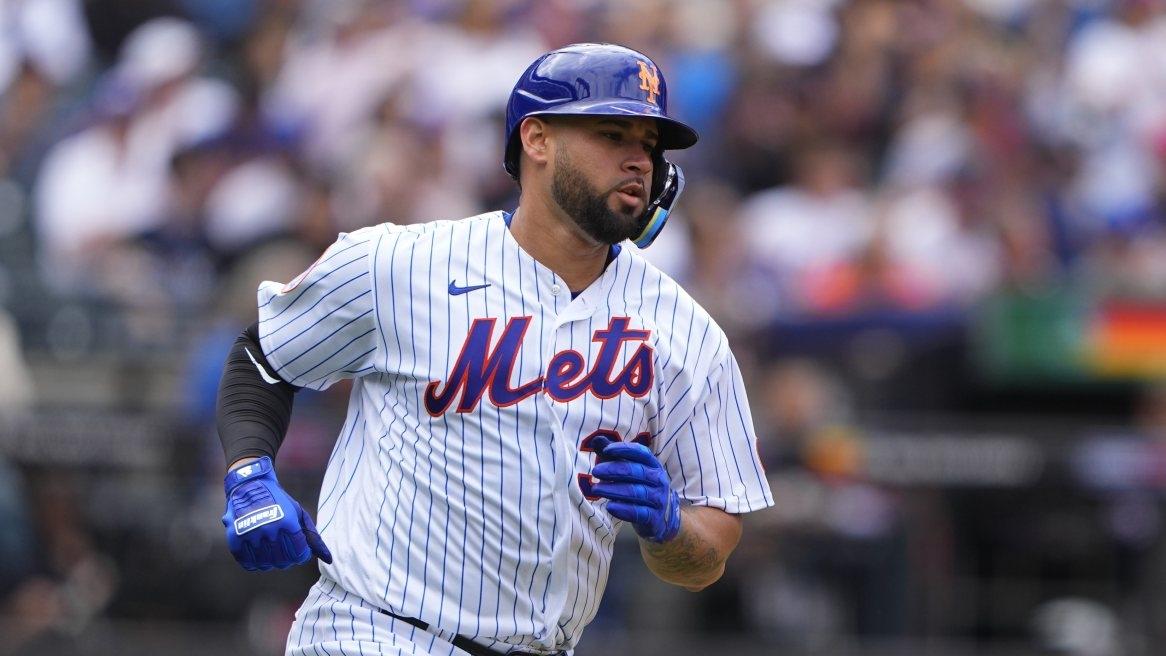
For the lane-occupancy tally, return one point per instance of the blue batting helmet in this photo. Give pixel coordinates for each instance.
(602, 79)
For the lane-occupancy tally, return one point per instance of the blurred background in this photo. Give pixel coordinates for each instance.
(935, 231)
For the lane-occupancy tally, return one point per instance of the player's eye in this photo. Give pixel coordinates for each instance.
(648, 146)
(613, 136)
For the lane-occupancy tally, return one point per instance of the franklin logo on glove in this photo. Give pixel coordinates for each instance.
(271, 529)
(258, 518)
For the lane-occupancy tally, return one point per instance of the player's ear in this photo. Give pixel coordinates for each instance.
(534, 134)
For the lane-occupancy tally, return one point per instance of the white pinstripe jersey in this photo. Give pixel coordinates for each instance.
(456, 490)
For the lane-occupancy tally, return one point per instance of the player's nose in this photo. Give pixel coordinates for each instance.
(638, 162)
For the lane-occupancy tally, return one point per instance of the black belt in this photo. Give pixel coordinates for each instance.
(463, 643)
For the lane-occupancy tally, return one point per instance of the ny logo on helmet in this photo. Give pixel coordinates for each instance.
(649, 80)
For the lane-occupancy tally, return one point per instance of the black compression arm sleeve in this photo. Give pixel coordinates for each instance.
(252, 414)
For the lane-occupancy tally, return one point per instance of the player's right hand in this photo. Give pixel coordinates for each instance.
(266, 528)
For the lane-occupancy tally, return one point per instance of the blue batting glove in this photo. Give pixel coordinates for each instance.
(266, 528)
(638, 489)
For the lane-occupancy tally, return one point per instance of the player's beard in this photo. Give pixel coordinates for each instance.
(588, 207)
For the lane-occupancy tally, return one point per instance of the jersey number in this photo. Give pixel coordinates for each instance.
(588, 446)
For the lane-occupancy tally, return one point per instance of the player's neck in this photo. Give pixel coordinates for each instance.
(559, 245)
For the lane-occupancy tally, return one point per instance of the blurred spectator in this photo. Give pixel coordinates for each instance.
(93, 192)
(700, 51)
(253, 200)
(1127, 469)
(332, 79)
(71, 582)
(802, 33)
(17, 543)
(944, 256)
(462, 106)
(834, 559)
(29, 97)
(803, 233)
(1077, 627)
(385, 183)
(109, 182)
(880, 167)
(48, 35)
(16, 385)
(161, 62)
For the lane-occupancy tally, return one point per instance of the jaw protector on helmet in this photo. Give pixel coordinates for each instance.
(667, 184)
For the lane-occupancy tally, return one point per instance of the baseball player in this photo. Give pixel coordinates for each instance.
(523, 387)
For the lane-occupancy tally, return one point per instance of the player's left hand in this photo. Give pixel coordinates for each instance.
(638, 489)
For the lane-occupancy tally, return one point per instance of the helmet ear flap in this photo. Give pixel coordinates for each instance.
(667, 184)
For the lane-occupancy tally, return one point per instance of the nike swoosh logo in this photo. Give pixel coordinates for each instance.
(272, 380)
(454, 290)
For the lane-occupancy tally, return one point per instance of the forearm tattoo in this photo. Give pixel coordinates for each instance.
(684, 555)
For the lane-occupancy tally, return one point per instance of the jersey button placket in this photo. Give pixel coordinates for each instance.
(557, 337)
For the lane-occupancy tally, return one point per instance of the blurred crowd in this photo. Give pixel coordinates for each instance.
(858, 158)
(914, 155)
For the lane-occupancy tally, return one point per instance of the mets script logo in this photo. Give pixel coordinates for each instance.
(481, 370)
(649, 80)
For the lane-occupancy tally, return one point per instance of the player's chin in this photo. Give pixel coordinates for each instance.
(628, 221)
